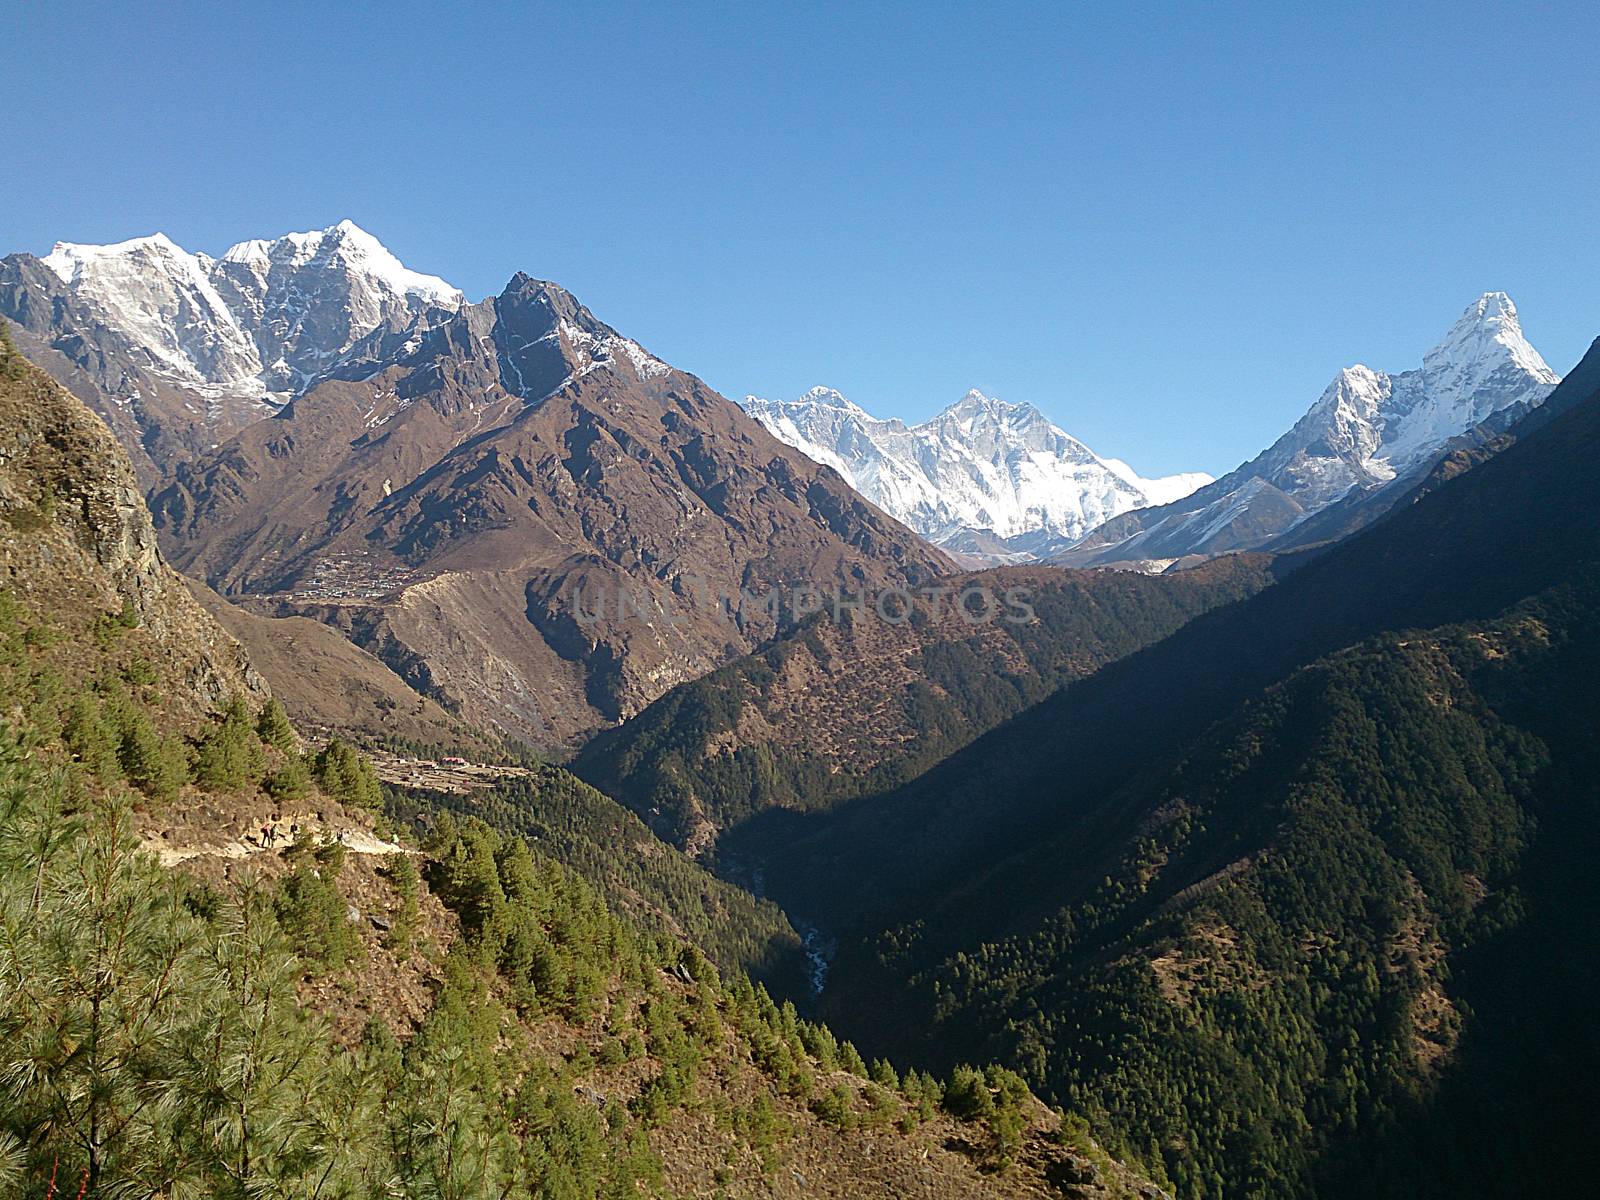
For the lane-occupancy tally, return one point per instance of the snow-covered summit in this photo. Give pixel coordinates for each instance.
(355, 249)
(982, 472)
(1487, 337)
(70, 259)
(163, 299)
(828, 397)
(1380, 425)
(265, 319)
(1367, 431)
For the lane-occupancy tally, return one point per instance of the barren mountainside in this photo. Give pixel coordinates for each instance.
(528, 517)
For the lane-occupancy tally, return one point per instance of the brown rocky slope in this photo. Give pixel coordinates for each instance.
(452, 511)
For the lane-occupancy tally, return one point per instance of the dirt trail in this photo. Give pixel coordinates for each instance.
(356, 841)
(230, 827)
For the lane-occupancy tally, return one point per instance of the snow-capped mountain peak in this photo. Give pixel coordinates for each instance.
(1367, 432)
(265, 320)
(164, 300)
(976, 401)
(1163, 489)
(983, 475)
(828, 397)
(355, 249)
(1486, 340)
(1487, 333)
(69, 260)
(1482, 366)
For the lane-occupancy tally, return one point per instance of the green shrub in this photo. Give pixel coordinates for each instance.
(850, 1060)
(967, 1096)
(290, 782)
(406, 881)
(835, 1107)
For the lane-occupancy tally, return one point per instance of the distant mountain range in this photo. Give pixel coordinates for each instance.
(987, 479)
(998, 482)
(179, 351)
(329, 433)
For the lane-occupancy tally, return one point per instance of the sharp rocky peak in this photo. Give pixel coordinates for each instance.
(977, 405)
(535, 307)
(1486, 337)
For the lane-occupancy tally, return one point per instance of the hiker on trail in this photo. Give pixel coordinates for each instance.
(266, 834)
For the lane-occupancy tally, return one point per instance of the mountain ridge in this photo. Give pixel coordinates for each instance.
(177, 351)
(448, 502)
(984, 477)
(1368, 432)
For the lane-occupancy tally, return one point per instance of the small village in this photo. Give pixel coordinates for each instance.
(449, 774)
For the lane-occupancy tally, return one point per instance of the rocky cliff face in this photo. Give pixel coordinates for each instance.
(76, 537)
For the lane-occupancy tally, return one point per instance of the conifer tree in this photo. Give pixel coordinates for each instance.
(229, 755)
(274, 728)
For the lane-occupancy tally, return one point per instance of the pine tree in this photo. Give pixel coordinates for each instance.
(290, 782)
(154, 764)
(274, 728)
(91, 739)
(229, 755)
(347, 775)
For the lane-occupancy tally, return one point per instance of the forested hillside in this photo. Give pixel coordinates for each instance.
(640, 876)
(186, 1032)
(224, 977)
(845, 708)
(1282, 899)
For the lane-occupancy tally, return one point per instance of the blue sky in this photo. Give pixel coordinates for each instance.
(1168, 226)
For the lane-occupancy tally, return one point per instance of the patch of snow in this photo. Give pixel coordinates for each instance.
(645, 364)
(1164, 489)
